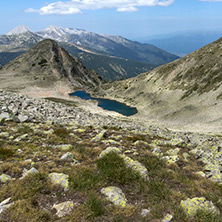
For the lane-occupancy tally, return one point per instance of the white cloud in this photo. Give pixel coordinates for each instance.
(77, 6)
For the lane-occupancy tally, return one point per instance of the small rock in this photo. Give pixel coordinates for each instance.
(4, 134)
(140, 142)
(201, 173)
(113, 142)
(23, 118)
(4, 205)
(171, 159)
(4, 178)
(64, 208)
(21, 138)
(115, 195)
(167, 218)
(26, 172)
(60, 179)
(99, 136)
(109, 150)
(173, 152)
(145, 212)
(67, 156)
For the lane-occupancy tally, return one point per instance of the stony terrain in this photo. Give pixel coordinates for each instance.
(61, 163)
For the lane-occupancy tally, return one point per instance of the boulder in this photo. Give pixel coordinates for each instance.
(60, 179)
(191, 206)
(115, 195)
(64, 208)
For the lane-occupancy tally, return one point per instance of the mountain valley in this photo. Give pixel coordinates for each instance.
(66, 159)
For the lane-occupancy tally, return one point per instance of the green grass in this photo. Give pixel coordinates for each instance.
(95, 205)
(113, 169)
(5, 153)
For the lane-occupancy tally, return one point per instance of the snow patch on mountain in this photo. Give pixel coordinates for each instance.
(19, 30)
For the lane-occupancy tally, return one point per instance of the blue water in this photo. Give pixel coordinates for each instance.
(108, 104)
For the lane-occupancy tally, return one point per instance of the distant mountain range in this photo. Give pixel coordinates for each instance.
(113, 57)
(184, 43)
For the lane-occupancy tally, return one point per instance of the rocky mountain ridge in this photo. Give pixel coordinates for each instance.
(46, 65)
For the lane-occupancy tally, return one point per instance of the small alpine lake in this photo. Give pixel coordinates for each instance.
(107, 104)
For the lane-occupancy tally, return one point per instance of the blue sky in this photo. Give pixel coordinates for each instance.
(129, 18)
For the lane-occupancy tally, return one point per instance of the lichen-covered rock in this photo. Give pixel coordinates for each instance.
(75, 162)
(67, 156)
(191, 206)
(141, 142)
(64, 147)
(110, 141)
(216, 176)
(99, 136)
(173, 152)
(171, 159)
(136, 166)
(115, 195)
(167, 218)
(5, 178)
(60, 179)
(157, 152)
(64, 208)
(22, 137)
(109, 150)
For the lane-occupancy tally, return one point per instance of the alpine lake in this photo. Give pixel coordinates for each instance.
(107, 104)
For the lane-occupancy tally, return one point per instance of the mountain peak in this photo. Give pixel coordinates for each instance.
(46, 64)
(19, 30)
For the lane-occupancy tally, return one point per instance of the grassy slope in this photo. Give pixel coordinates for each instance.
(35, 195)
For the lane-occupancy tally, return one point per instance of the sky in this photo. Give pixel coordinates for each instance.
(129, 18)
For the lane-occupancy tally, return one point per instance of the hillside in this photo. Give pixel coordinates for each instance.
(46, 65)
(183, 94)
(61, 163)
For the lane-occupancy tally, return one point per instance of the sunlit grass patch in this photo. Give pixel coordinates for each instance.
(114, 170)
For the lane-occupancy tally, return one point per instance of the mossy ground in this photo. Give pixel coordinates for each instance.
(34, 195)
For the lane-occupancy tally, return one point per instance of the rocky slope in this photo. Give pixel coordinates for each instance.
(60, 163)
(47, 65)
(184, 94)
